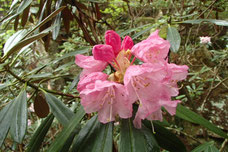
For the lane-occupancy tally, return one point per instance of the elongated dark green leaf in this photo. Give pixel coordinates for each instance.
(142, 32)
(5, 115)
(79, 51)
(53, 14)
(39, 135)
(4, 85)
(126, 32)
(59, 142)
(135, 140)
(57, 21)
(19, 120)
(98, 136)
(13, 40)
(59, 109)
(23, 6)
(206, 147)
(23, 43)
(165, 138)
(191, 116)
(74, 83)
(217, 22)
(174, 38)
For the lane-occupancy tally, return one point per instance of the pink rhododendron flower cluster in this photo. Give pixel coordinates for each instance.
(150, 85)
(205, 40)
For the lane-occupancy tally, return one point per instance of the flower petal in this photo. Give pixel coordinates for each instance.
(127, 43)
(103, 52)
(89, 64)
(91, 78)
(151, 50)
(113, 39)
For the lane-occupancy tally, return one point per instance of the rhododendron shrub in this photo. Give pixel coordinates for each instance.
(150, 85)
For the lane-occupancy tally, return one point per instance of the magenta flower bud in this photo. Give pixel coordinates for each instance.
(103, 52)
(113, 39)
(127, 43)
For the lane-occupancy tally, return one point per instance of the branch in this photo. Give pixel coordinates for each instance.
(39, 88)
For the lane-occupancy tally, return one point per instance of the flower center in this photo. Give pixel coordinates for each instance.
(121, 63)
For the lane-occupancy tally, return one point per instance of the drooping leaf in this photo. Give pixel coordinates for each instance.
(191, 116)
(174, 38)
(98, 136)
(13, 40)
(165, 138)
(39, 135)
(217, 22)
(59, 109)
(16, 22)
(141, 32)
(25, 16)
(40, 106)
(206, 147)
(24, 4)
(57, 21)
(134, 140)
(74, 83)
(19, 119)
(5, 115)
(61, 139)
(53, 14)
(19, 45)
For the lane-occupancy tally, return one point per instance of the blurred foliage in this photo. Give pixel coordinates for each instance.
(40, 61)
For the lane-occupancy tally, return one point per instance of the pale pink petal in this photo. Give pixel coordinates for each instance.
(103, 52)
(89, 64)
(113, 39)
(151, 50)
(170, 106)
(157, 115)
(91, 78)
(107, 98)
(127, 43)
(179, 72)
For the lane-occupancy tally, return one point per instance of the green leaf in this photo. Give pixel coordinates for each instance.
(165, 138)
(53, 14)
(59, 109)
(217, 22)
(59, 142)
(135, 140)
(23, 43)
(57, 21)
(98, 136)
(5, 115)
(74, 83)
(13, 40)
(4, 85)
(39, 135)
(19, 119)
(24, 4)
(206, 147)
(191, 116)
(79, 51)
(174, 38)
(142, 32)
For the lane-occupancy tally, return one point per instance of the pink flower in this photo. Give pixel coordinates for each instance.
(153, 85)
(151, 50)
(89, 64)
(106, 97)
(205, 40)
